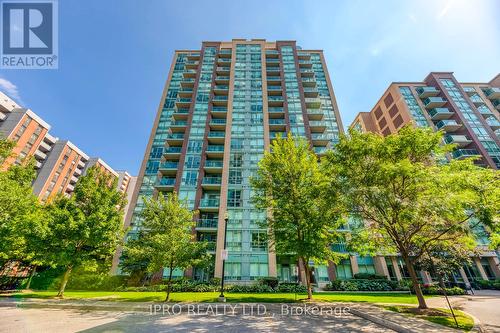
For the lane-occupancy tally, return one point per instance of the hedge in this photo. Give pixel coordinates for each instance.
(489, 284)
(364, 285)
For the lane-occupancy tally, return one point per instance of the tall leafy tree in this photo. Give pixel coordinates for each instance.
(85, 228)
(291, 185)
(411, 200)
(165, 239)
(20, 213)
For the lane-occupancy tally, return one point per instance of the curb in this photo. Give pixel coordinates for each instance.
(382, 322)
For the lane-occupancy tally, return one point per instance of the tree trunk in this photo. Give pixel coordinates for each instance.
(64, 281)
(33, 271)
(308, 279)
(169, 284)
(416, 284)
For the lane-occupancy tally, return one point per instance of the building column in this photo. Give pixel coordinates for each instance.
(494, 265)
(381, 266)
(331, 271)
(354, 265)
(426, 277)
(477, 262)
(395, 265)
(464, 276)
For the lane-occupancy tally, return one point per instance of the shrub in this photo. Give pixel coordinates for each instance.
(489, 284)
(290, 287)
(364, 285)
(435, 290)
(269, 281)
(369, 276)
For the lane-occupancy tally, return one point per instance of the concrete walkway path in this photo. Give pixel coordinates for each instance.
(484, 305)
(37, 315)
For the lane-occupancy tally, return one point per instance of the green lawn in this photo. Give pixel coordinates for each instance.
(439, 316)
(131, 296)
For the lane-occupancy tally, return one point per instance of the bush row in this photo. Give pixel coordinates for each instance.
(206, 287)
(435, 290)
(365, 285)
(489, 284)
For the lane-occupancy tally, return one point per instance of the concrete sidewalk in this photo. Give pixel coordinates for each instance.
(381, 318)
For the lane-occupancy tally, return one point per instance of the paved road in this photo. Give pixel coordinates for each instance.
(484, 305)
(57, 320)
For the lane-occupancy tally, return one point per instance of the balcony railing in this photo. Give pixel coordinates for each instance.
(440, 113)
(169, 165)
(463, 153)
(176, 136)
(207, 223)
(424, 92)
(219, 109)
(209, 203)
(213, 164)
(166, 182)
(434, 102)
(212, 148)
(218, 121)
(447, 125)
(276, 121)
(492, 93)
(216, 134)
(220, 98)
(173, 150)
(212, 180)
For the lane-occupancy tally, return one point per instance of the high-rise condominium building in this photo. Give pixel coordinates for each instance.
(468, 113)
(221, 107)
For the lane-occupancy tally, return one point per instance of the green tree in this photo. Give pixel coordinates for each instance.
(85, 229)
(20, 212)
(410, 199)
(165, 239)
(291, 186)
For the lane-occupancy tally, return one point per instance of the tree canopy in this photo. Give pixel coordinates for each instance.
(409, 196)
(291, 186)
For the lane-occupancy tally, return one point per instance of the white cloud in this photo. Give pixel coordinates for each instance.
(10, 89)
(445, 10)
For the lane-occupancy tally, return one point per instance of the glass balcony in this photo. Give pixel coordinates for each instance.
(424, 92)
(168, 168)
(448, 125)
(217, 124)
(221, 79)
(211, 182)
(275, 100)
(220, 100)
(213, 164)
(320, 150)
(225, 52)
(274, 78)
(464, 153)
(440, 113)
(310, 92)
(274, 135)
(317, 126)
(223, 70)
(223, 89)
(469, 90)
(209, 204)
(494, 124)
(485, 111)
(173, 150)
(313, 102)
(207, 223)
(274, 88)
(476, 99)
(273, 69)
(434, 102)
(183, 102)
(175, 138)
(216, 136)
(178, 124)
(215, 150)
(277, 124)
(308, 82)
(305, 63)
(315, 114)
(189, 73)
(496, 104)
(492, 93)
(303, 55)
(321, 139)
(272, 60)
(459, 140)
(165, 183)
(224, 61)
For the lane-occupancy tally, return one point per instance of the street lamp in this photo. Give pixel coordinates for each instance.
(222, 298)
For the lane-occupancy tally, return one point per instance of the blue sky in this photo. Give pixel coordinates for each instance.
(115, 55)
